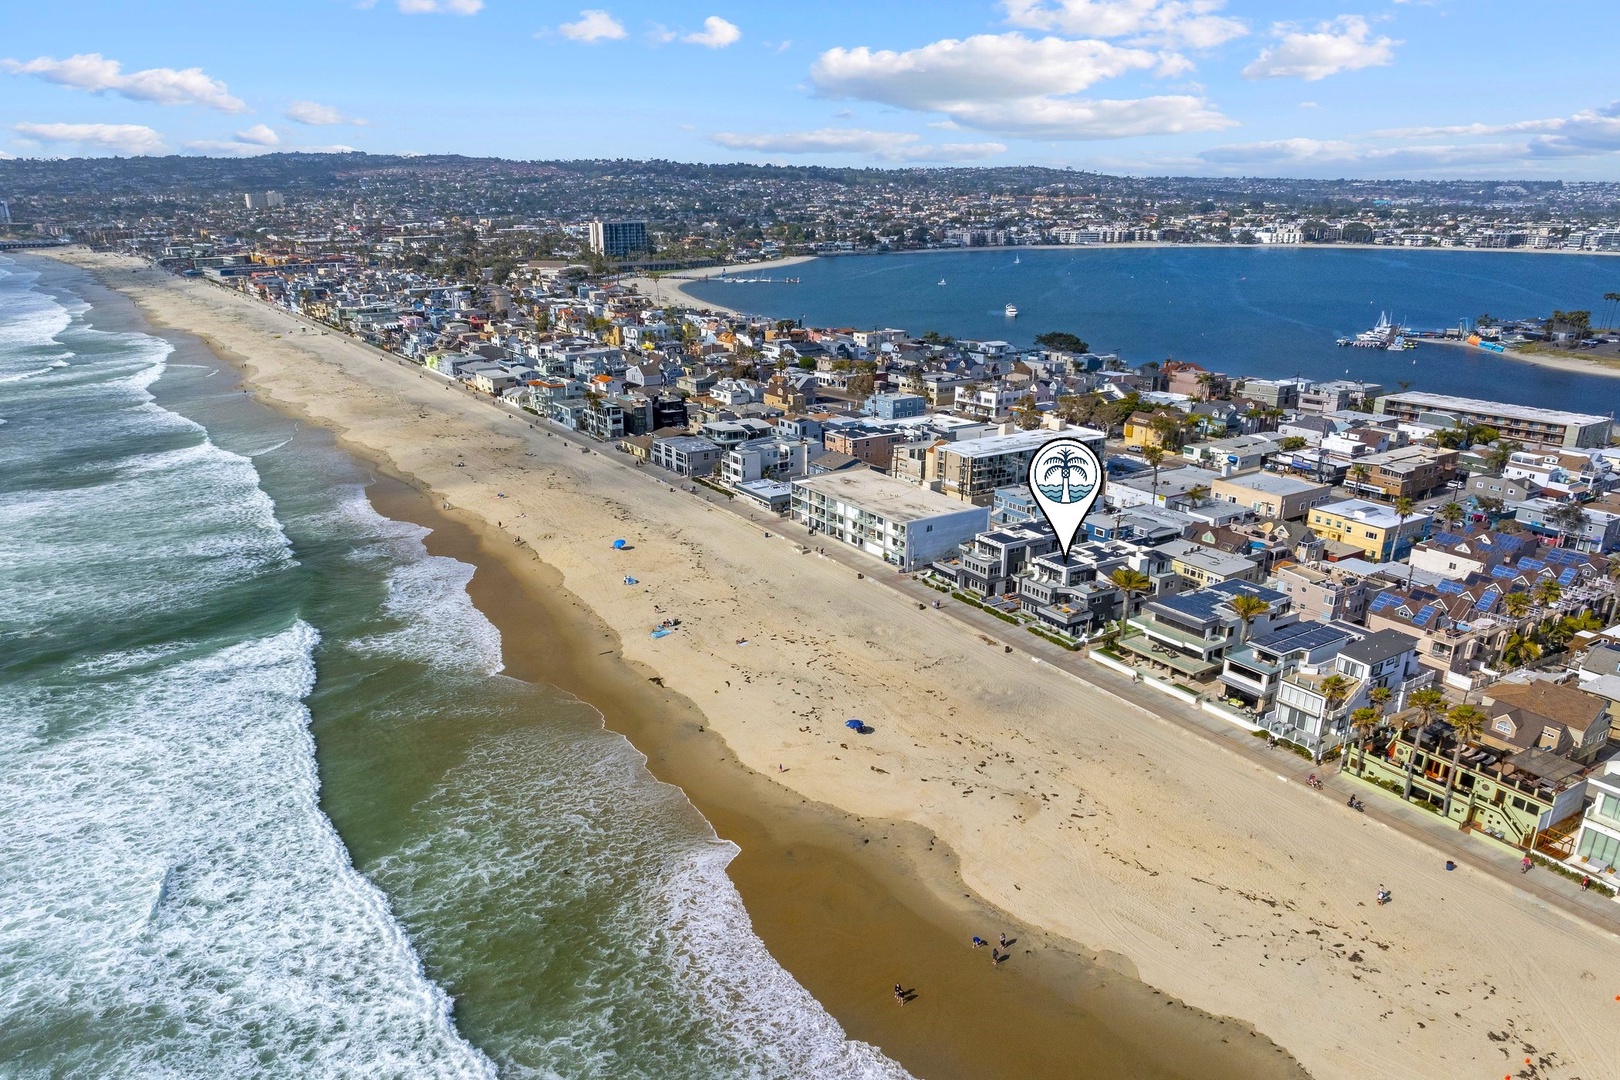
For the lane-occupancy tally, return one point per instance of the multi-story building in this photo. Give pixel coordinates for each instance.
(990, 563)
(1190, 633)
(1076, 594)
(1271, 496)
(772, 458)
(1596, 849)
(1311, 714)
(1403, 472)
(1599, 530)
(617, 239)
(1325, 592)
(1199, 565)
(896, 406)
(1521, 423)
(874, 446)
(1376, 529)
(972, 470)
(688, 455)
(1252, 671)
(889, 519)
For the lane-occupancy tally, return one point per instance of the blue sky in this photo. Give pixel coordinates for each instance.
(1421, 88)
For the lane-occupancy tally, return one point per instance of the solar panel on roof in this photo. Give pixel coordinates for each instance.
(1448, 538)
(1568, 576)
(1503, 572)
(1384, 600)
(1532, 564)
(1426, 616)
(1450, 588)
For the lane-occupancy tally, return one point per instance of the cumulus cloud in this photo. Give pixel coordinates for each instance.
(132, 139)
(441, 7)
(314, 114)
(717, 33)
(1342, 44)
(889, 146)
(1342, 153)
(1178, 23)
(94, 73)
(593, 25)
(1009, 84)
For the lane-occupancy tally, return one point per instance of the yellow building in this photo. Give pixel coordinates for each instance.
(1377, 530)
(1139, 429)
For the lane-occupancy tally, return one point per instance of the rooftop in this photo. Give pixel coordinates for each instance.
(1368, 513)
(894, 500)
(1445, 402)
(1272, 483)
(1380, 646)
(992, 445)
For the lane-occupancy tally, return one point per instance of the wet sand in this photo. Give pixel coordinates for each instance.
(841, 902)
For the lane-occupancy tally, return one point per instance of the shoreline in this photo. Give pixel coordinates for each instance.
(843, 902)
(1196, 867)
(676, 281)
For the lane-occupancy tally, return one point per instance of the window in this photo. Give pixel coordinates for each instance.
(1598, 848)
(1504, 725)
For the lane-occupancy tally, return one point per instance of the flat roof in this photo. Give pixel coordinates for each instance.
(991, 445)
(1443, 402)
(891, 499)
(1272, 483)
(1368, 513)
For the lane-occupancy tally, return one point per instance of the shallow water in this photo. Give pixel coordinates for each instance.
(213, 650)
(1267, 312)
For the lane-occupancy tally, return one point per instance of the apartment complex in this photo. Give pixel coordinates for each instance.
(899, 523)
(973, 469)
(616, 239)
(1521, 423)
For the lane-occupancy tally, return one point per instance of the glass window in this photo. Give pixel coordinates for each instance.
(1598, 848)
(1609, 807)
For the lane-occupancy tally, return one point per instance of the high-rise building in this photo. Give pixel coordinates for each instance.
(263, 200)
(616, 239)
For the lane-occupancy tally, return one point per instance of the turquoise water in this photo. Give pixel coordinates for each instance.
(1269, 312)
(268, 808)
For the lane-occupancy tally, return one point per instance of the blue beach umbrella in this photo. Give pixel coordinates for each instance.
(854, 725)
(618, 545)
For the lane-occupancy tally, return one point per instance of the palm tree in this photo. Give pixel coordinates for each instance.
(1203, 380)
(1359, 473)
(1132, 583)
(1498, 456)
(1520, 650)
(1403, 509)
(1429, 703)
(1611, 298)
(1568, 518)
(1517, 604)
(1335, 690)
(1248, 607)
(1451, 513)
(1154, 456)
(1467, 723)
(1197, 494)
(1547, 592)
(1362, 723)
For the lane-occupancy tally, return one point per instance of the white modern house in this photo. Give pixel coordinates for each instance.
(890, 519)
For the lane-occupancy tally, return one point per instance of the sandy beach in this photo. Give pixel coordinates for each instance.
(1099, 828)
(672, 286)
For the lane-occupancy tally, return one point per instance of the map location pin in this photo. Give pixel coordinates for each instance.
(1066, 478)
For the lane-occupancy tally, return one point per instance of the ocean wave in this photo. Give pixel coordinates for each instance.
(173, 899)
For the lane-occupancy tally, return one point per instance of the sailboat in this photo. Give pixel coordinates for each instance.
(942, 281)
(1017, 260)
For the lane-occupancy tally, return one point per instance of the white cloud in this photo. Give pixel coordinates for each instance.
(890, 146)
(1009, 84)
(1342, 44)
(1189, 23)
(94, 73)
(1341, 153)
(441, 7)
(314, 114)
(592, 26)
(717, 33)
(132, 139)
(259, 135)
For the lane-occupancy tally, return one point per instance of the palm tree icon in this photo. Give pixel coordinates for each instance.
(1065, 463)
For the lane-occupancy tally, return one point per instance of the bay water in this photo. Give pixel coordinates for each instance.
(1271, 312)
(267, 805)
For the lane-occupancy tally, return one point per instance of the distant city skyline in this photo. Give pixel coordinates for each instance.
(1400, 88)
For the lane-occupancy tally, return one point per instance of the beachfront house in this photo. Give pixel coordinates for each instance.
(1314, 702)
(904, 525)
(1190, 633)
(1252, 670)
(688, 455)
(1597, 842)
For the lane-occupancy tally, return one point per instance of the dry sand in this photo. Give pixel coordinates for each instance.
(672, 286)
(1209, 877)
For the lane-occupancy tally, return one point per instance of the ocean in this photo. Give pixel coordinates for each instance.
(1267, 312)
(269, 806)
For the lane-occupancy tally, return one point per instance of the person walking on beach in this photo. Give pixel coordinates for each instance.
(899, 994)
(1003, 941)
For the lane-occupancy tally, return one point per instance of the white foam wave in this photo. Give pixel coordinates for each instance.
(434, 620)
(172, 899)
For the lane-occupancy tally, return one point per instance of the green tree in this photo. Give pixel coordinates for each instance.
(1059, 341)
(1248, 607)
(1520, 650)
(1335, 690)
(1429, 703)
(1547, 592)
(1467, 723)
(1451, 513)
(1516, 603)
(1154, 456)
(1362, 723)
(1132, 583)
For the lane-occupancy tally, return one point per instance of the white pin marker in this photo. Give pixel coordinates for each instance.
(1066, 479)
